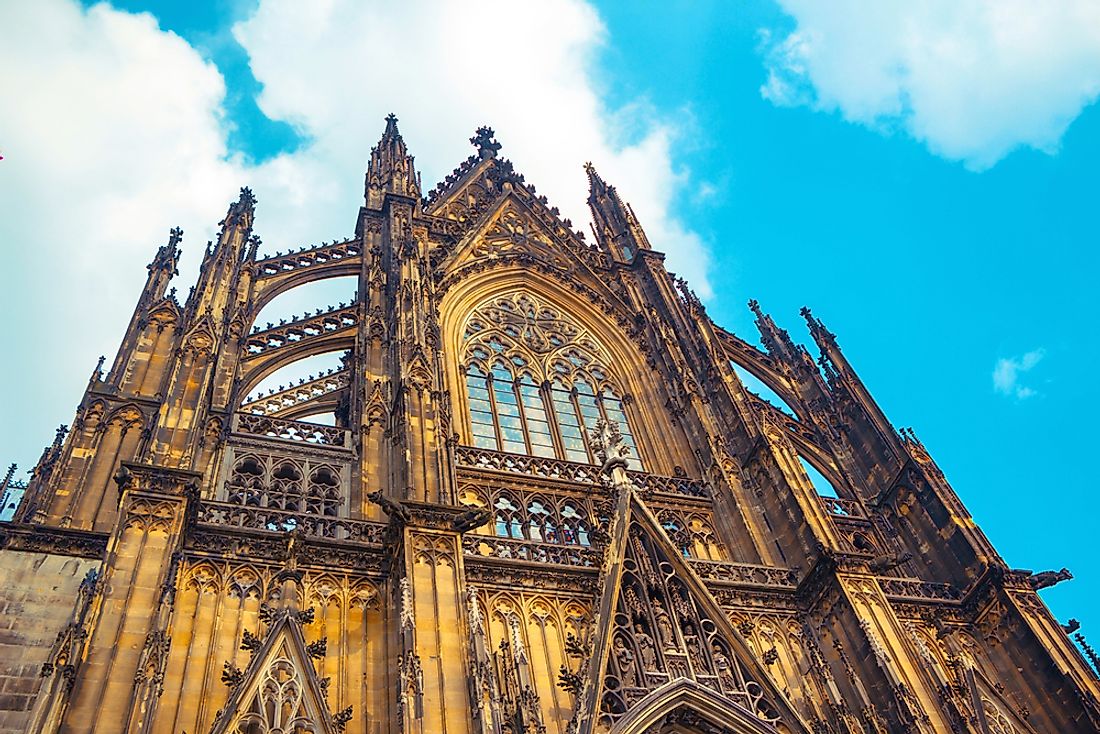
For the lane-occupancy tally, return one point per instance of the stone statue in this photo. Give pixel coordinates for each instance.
(472, 519)
(692, 642)
(394, 509)
(664, 625)
(1046, 579)
(722, 666)
(889, 561)
(628, 675)
(645, 645)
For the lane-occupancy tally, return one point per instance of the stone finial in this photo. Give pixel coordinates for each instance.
(391, 127)
(487, 146)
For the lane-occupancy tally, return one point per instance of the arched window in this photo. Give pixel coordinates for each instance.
(538, 382)
(281, 484)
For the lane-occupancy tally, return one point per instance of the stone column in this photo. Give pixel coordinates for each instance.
(117, 686)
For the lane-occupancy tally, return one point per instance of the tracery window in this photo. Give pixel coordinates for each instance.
(538, 516)
(538, 382)
(692, 535)
(283, 484)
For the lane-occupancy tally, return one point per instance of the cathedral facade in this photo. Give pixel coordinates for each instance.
(545, 504)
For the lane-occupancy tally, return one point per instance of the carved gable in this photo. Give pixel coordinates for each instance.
(279, 691)
(659, 624)
(511, 232)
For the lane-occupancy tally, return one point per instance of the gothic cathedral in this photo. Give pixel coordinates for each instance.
(545, 504)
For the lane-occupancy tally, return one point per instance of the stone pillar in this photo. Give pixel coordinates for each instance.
(117, 686)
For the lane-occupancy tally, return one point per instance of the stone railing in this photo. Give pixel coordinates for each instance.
(570, 471)
(842, 508)
(668, 485)
(316, 526)
(917, 589)
(306, 257)
(301, 328)
(486, 546)
(277, 401)
(287, 430)
(745, 573)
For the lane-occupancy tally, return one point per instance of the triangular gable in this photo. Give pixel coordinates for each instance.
(279, 690)
(658, 623)
(991, 708)
(512, 231)
(470, 173)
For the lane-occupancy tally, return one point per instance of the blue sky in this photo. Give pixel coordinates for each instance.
(936, 208)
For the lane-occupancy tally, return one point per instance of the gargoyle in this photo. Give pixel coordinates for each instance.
(471, 519)
(1046, 579)
(394, 509)
(1070, 627)
(888, 561)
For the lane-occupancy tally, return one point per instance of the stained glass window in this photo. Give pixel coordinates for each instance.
(538, 382)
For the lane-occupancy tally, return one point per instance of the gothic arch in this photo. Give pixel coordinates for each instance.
(270, 287)
(253, 371)
(648, 404)
(253, 374)
(684, 705)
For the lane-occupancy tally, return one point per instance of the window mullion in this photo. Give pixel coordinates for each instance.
(496, 413)
(522, 408)
(554, 421)
(585, 428)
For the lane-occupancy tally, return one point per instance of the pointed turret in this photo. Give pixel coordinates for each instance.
(776, 340)
(162, 268)
(613, 221)
(391, 169)
(221, 265)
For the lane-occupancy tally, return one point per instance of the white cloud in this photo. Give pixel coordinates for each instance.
(1007, 372)
(114, 131)
(337, 69)
(972, 79)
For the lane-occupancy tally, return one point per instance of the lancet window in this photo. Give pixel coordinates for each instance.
(280, 483)
(538, 382)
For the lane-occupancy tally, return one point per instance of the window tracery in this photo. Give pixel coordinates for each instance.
(693, 535)
(537, 382)
(285, 484)
(538, 516)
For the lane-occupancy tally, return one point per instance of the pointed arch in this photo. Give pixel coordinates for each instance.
(639, 388)
(684, 705)
(537, 380)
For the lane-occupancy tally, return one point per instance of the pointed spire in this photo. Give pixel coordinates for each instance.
(168, 255)
(818, 331)
(7, 479)
(613, 220)
(777, 341)
(97, 373)
(241, 211)
(391, 168)
(391, 128)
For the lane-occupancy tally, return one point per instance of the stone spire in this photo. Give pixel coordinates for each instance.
(391, 169)
(776, 340)
(162, 268)
(168, 255)
(613, 220)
